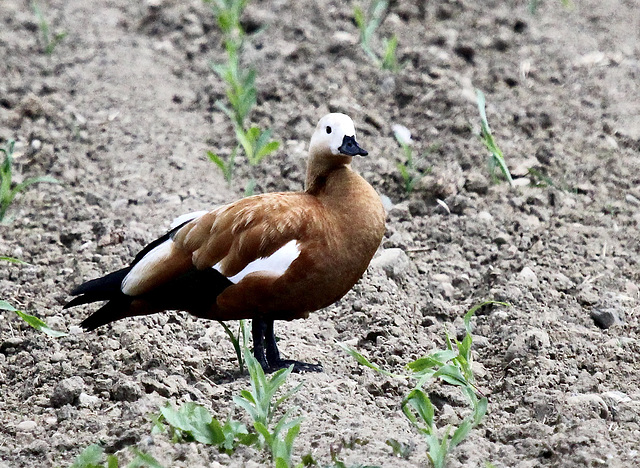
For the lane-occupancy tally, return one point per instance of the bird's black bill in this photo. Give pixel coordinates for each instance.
(350, 147)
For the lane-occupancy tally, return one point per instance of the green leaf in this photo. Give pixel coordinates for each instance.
(364, 361)
(34, 180)
(437, 359)
(268, 149)
(143, 459)
(471, 312)
(112, 461)
(249, 189)
(263, 431)
(451, 374)
(35, 322)
(218, 161)
(480, 410)
(460, 434)
(235, 340)
(88, 457)
(13, 260)
(420, 402)
(4, 305)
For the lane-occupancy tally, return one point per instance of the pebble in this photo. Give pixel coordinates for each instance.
(394, 262)
(88, 401)
(587, 297)
(67, 391)
(26, 426)
(528, 276)
(587, 406)
(477, 183)
(484, 216)
(605, 318)
(632, 200)
(532, 341)
(401, 212)
(126, 390)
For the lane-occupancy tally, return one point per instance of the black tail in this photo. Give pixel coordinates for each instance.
(113, 310)
(99, 289)
(195, 291)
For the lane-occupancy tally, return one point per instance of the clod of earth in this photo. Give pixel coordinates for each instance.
(276, 256)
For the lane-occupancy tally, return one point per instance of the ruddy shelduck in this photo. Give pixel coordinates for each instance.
(275, 256)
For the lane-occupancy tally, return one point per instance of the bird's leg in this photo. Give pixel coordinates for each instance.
(273, 355)
(258, 327)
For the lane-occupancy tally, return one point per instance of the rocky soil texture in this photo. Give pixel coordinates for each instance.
(122, 113)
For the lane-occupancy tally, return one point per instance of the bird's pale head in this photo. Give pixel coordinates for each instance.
(335, 135)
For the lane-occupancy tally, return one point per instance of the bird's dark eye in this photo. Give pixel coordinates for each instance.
(328, 129)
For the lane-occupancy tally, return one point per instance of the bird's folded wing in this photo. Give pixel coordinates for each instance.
(228, 238)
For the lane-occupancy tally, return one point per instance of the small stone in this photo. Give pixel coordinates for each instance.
(67, 391)
(532, 341)
(126, 390)
(632, 200)
(400, 212)
(441, 278)
(528, 276)
(26, 426)
(88, 401)
(477, 183)
(394, 262)
(502, 238)
(387, 204)
(587, 406)
(587, 297)
(606, 318)
(418, 208)
(484, 216)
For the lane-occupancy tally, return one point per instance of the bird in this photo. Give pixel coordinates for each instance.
(267, 257)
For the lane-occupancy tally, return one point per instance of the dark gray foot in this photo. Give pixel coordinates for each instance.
(265, 350)
(298, 366)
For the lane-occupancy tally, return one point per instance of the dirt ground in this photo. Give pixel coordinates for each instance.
(122, 113)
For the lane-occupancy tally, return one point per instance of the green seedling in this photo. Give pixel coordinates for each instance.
(452, 365)
(35, 322)
(240, 93)
(407, 168)
(226, 166)
(241, 89)
(235, 340)
(259, 403)
(8, 191)
(192, 422)
(49, 43)
(497, 158)
(228, 13)
(368, 24)
(92, 457)
(400, 449)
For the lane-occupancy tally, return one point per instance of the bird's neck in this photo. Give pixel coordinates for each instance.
(321, 167)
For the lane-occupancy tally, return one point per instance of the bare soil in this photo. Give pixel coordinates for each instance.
(122, 113)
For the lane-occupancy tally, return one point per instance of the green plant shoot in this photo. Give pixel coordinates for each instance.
(48, 43)
(452, 365)
(368, 24)
(91, 457)
(7, 192)
(497, 158)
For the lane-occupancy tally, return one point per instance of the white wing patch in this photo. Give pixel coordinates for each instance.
(277, 263)
(140, 270)
(186, 217)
